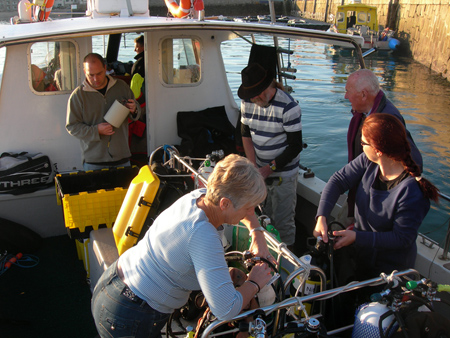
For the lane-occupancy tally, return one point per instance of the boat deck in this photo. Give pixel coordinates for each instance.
(49, 300)
(52, 299)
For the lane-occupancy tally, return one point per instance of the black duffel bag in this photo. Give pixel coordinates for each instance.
(22, 173)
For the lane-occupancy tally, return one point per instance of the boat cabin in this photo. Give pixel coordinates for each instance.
(184, 71)
(356, 14)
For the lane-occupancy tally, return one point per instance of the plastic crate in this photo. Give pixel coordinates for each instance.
(83, 254)
(92, 199)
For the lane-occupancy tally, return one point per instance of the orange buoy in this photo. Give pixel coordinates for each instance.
(179, 11)
(43, 11)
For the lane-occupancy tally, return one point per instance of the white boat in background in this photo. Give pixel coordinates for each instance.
(184, 73)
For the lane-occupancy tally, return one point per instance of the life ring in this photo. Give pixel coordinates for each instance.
(43, 12)
(179, 11)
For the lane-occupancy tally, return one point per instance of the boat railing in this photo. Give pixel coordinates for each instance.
(298, 267)
(174, 160)
(319, 296)
(430, 243)
(446, 246)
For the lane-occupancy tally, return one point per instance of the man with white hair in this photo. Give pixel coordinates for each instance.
(363, 91)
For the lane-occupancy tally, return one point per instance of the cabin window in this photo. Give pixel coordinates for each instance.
(340, 17)
(362, 17)
(53, 66)
(180, 61)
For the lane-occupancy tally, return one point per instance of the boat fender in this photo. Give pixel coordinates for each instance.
(179, 11)
(393, 43)
(43, 9)
(24, 9)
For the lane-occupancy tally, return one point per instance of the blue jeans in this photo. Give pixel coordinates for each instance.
(115, 315)
(90, 166)
(280, 207)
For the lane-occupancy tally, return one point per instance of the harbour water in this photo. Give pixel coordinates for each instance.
(422, 97)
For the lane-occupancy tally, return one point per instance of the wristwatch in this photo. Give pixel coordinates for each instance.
(273, 165)
(256, 229)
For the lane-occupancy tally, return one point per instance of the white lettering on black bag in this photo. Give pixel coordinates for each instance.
(22, 173)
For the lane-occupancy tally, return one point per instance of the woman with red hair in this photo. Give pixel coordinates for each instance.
(392, 199)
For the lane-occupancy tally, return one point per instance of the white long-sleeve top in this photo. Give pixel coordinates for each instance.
(181, 252)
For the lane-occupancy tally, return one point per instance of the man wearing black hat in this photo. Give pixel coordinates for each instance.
(272, 140)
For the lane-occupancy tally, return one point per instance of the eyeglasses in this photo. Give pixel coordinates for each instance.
(364, 144)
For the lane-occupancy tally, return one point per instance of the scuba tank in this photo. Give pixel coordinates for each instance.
(367, 320)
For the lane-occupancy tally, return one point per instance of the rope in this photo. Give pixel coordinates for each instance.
(391, 279)
(20, 260)
(300, 307)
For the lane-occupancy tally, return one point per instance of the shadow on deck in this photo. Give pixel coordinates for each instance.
(49, 300)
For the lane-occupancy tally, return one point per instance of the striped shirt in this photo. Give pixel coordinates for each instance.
(181, 252)
(268, 128)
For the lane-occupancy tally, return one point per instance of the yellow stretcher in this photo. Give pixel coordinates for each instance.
(137, 203)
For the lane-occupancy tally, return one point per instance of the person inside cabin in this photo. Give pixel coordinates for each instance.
(392, 199)
(58, 81)
(53, 74)
(139, 64)
(57, 78)
(182, 251)
(37, 78)
(102, 145)
(137, 129)
(363, 91)
(271, 132)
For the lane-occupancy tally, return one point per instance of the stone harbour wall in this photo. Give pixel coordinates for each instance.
(423, 26)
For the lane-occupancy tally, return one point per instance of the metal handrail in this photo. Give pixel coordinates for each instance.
(289, 256)
(174, 154)
(294, 301)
